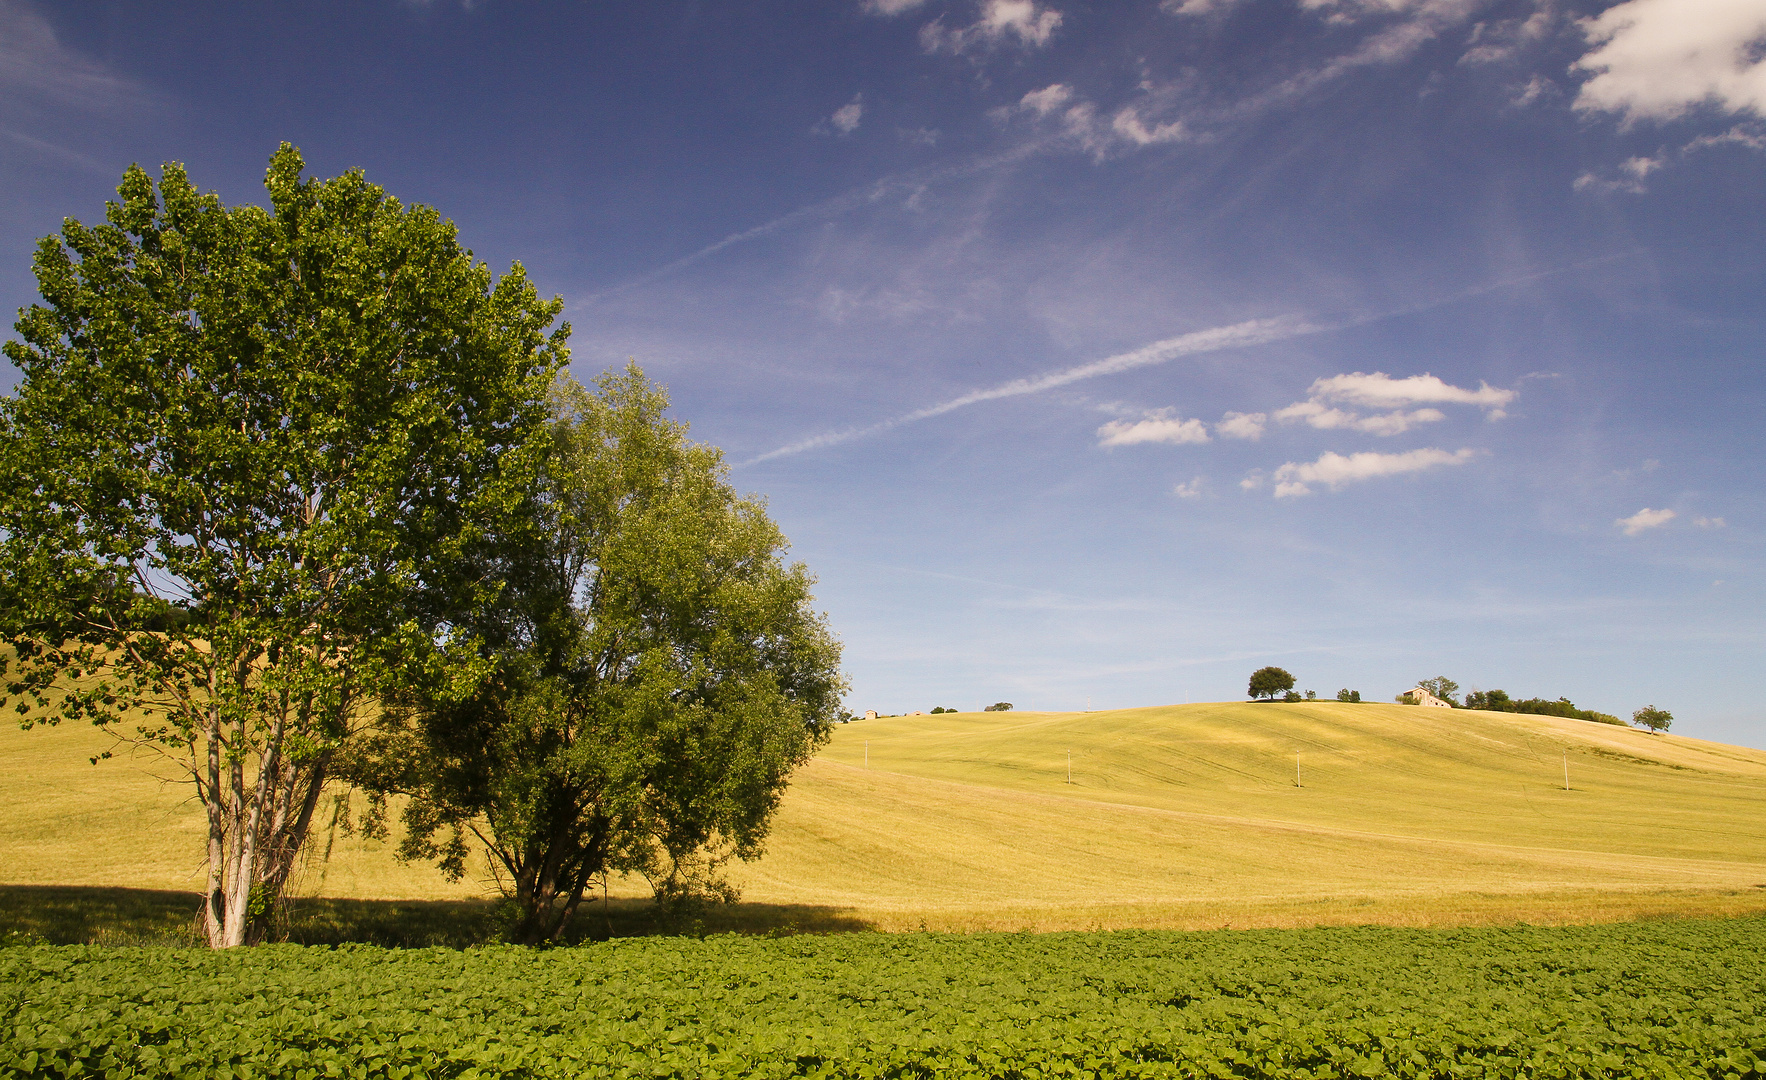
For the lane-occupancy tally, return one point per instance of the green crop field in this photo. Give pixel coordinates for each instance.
(1179, 817)
(1681, 998)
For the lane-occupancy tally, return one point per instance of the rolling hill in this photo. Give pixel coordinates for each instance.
(1175, 816)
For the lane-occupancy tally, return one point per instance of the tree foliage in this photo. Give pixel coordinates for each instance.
(1653, 718)
(1267, 682)
(245, 483)
(659, 673)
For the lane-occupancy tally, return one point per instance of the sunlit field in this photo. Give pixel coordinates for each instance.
(1208, 815)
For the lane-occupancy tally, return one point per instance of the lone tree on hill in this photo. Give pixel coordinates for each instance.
(1267, 682)
(247, 481)
(658, 672)
(1653, 718)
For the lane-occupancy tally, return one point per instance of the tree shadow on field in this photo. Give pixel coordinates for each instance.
(96, 915)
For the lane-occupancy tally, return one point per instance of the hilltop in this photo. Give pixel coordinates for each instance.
(1190, 815)
(1184, 815)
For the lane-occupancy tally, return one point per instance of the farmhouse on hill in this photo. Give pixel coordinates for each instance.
(1416, 695)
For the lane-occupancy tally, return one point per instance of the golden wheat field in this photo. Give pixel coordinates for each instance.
(1228, 814)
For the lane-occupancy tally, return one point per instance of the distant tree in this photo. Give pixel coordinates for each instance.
(1267, 682)
(1349, 695)
(1311, 695)
(999, 706)
(1442, 687)
(1292, 696)
(1489, 700)
(1653, 718)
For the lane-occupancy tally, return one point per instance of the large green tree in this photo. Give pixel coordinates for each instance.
(248, 483)
(659, 673)
(1267, 682)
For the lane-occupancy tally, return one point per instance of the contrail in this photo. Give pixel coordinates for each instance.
(827, 208)
(1238, 335)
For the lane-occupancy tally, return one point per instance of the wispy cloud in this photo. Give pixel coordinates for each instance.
(35, 64)
(1334, 470)
(1658, 59)
(1644, 519)
(1630, 180)
(1238, 335)
(900, 185)
(1020, 22)
(1709, 522)
(890, 7)
(1191, 489)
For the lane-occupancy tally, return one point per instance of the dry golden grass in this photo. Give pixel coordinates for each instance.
(1190, 816)
(1183, 816)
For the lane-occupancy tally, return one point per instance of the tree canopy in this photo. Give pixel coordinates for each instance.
(249, 481)
(658, 674)
(1267, 682)
(1653, 718)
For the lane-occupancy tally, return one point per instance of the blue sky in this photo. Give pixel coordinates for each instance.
(1089, 354)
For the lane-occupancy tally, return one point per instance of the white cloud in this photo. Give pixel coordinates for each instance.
(1709, 522)
(846, 117)
(1238, 425)
(1334, 470)
(1645, 519)
(1190, 490)
(1325, 417)
(890, 7)
(1382, 391)
(1322, 410)
(1657, 59)
(1129, 125)
(1161, 427)
(1046, 100)
(1630, 180)
(1023, 22)
(1735, 136)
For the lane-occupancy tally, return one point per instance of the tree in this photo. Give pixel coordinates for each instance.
(1653, 718)
(245, 483)
(1267, 682)
(1349, 695)
(1490, 700)
(998, 706)
(1442, 687)
(659, 673)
